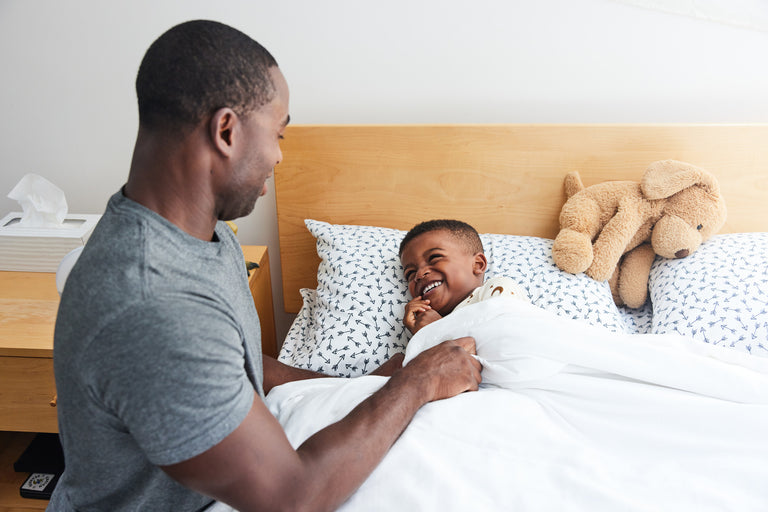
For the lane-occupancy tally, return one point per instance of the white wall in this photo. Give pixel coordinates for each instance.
(68, 69)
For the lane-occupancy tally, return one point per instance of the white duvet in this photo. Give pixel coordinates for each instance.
(570, 417)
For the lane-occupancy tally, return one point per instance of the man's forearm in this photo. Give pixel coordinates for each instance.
(276, 373)
(359, 441)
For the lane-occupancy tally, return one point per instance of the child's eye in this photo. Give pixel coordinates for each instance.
(408, 275)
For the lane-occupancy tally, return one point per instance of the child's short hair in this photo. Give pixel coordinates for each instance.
(461, 230)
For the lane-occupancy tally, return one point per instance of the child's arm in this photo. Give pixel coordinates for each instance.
(418, 313)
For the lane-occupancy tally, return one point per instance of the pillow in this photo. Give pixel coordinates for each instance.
(528, 260)
(718, 295)
(352, 322)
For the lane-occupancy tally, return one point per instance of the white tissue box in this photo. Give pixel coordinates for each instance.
(40, 249)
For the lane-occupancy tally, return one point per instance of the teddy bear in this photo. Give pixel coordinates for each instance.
(614, 230)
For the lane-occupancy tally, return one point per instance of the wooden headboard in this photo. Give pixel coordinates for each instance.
(499, 178)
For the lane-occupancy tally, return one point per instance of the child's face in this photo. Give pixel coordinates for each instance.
(440, 268)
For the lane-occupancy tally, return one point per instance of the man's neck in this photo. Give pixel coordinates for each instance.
(170, 178)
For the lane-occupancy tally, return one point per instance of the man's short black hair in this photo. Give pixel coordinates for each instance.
(461, 230)
(198, 67)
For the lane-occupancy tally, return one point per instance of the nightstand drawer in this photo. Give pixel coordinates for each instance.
(27, 389)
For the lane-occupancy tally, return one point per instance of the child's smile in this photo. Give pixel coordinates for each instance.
(429, 287)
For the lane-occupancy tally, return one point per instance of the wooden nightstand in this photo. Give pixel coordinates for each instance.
(28, 305)
(261, 289)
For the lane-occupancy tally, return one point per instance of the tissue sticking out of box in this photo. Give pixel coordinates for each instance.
(42, 203)
(36, 239)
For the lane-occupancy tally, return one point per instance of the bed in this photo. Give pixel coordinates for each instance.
(584, 406)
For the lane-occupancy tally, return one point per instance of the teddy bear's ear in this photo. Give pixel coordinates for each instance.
(668, 177)
(573, 183)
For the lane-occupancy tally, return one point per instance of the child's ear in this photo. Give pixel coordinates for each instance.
(481, 264)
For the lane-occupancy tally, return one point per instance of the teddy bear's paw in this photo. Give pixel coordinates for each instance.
(599, 271)
(635, 298)
(572, 251)
(633, 290)
(633, 279)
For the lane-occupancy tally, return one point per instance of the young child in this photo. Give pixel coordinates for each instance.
(444, 265)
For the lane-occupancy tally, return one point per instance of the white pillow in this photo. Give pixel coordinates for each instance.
(718, 295)
(352, 323)
(528, 260)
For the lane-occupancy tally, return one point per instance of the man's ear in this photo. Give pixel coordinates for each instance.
(481, 264)
(223, 125)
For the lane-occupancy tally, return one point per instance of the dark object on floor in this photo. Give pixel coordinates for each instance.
(44, 459)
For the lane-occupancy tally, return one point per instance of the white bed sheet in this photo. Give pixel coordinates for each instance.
(570, 417)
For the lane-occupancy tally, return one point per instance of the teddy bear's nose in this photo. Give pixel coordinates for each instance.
(682, 253)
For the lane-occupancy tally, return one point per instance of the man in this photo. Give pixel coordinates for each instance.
(157, 346)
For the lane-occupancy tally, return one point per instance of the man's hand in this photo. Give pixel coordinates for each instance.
(449, 369)
(419, 313)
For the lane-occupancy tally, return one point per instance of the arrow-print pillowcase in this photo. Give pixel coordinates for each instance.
(718, 295)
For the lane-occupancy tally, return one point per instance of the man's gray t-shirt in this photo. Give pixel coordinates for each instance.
(157, 359)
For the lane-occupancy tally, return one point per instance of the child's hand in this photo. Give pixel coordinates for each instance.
(418, 313)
